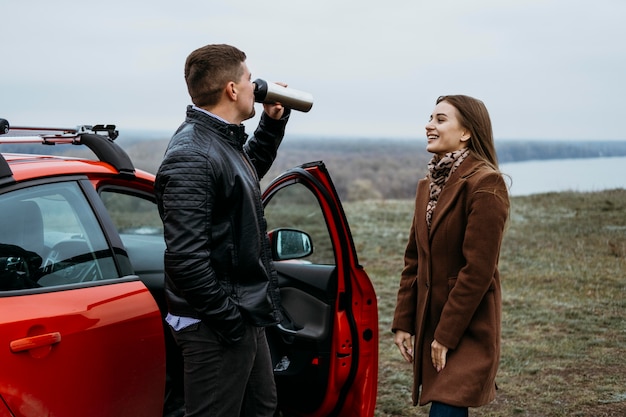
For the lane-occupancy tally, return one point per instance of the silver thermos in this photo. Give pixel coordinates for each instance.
(268, 92)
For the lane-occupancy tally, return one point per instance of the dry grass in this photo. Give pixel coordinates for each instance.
(563, 267)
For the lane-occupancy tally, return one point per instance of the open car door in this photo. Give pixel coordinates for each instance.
(326, 361)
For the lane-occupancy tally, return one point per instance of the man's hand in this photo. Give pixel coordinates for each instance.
(276, 110)
(404, 341)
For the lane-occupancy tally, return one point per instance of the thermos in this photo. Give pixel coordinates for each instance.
(268, 92)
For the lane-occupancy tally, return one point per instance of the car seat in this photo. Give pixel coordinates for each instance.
(21, 244)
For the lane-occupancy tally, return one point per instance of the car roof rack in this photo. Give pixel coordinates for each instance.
(98, 138)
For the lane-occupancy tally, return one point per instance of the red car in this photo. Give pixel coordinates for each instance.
(81, 288)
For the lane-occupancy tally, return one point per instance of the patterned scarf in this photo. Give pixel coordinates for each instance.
(440, 168)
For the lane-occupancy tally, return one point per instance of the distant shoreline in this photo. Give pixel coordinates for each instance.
(573, 174)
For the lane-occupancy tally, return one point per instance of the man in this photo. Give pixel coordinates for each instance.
(221, 286)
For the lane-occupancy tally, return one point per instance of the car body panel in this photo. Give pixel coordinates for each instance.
(107, 348)
(4, 409)
(53, 166)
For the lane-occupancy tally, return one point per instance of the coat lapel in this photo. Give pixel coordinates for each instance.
(421, 228)
(451, 190)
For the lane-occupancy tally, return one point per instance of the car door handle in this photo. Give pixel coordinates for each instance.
(33, 342)
(286, 330)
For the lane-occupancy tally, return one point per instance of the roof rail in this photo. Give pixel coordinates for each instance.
(98, 138)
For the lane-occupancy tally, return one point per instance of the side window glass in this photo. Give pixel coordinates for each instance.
(296, 207)
(132, 214)
(139, 225)
(49, 236)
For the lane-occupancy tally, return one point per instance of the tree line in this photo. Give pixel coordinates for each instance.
(383, 168)
(361, 168)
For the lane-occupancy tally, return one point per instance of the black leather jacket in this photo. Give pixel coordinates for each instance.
(218, 264)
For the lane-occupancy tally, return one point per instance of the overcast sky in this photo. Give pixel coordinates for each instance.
(546, 69)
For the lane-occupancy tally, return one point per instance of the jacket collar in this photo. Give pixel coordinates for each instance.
(235, 134)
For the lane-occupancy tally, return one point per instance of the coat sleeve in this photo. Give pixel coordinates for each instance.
(263, 146)
(404, 316)
(487, 212)
(186, 185)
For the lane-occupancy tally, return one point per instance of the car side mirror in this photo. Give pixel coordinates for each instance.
(290, 244)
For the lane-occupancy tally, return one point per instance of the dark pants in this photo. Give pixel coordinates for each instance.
(445, 410)
(226, 380)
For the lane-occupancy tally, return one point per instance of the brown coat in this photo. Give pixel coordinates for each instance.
(450, 286)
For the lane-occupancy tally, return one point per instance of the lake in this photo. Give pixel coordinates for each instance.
(588, 174)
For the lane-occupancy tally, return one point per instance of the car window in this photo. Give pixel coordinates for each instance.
(136, 217)
(49, 236)
(296, 207)
(132, 214)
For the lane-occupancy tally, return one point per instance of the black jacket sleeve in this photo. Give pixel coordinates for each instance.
(263, 146)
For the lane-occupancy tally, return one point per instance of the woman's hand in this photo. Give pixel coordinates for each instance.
(404, 341)
(438, 353)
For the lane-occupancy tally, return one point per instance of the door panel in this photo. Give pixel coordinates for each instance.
(94, 351)
(326, 363)
(301, 355)
(312, 313)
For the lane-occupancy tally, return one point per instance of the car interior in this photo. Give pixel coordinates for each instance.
(47, 240)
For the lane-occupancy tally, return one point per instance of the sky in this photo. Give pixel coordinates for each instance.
(545, 69)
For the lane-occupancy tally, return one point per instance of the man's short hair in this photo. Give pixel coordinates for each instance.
(208, 69)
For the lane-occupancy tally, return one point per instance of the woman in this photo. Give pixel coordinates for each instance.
(447, 320)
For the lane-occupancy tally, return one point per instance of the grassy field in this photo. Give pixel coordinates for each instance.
(563, 269)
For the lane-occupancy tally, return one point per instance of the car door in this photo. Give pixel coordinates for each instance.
(134, 213)
(326, 359)
(79, 334)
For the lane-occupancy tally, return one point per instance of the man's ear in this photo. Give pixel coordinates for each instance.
(231, 90)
